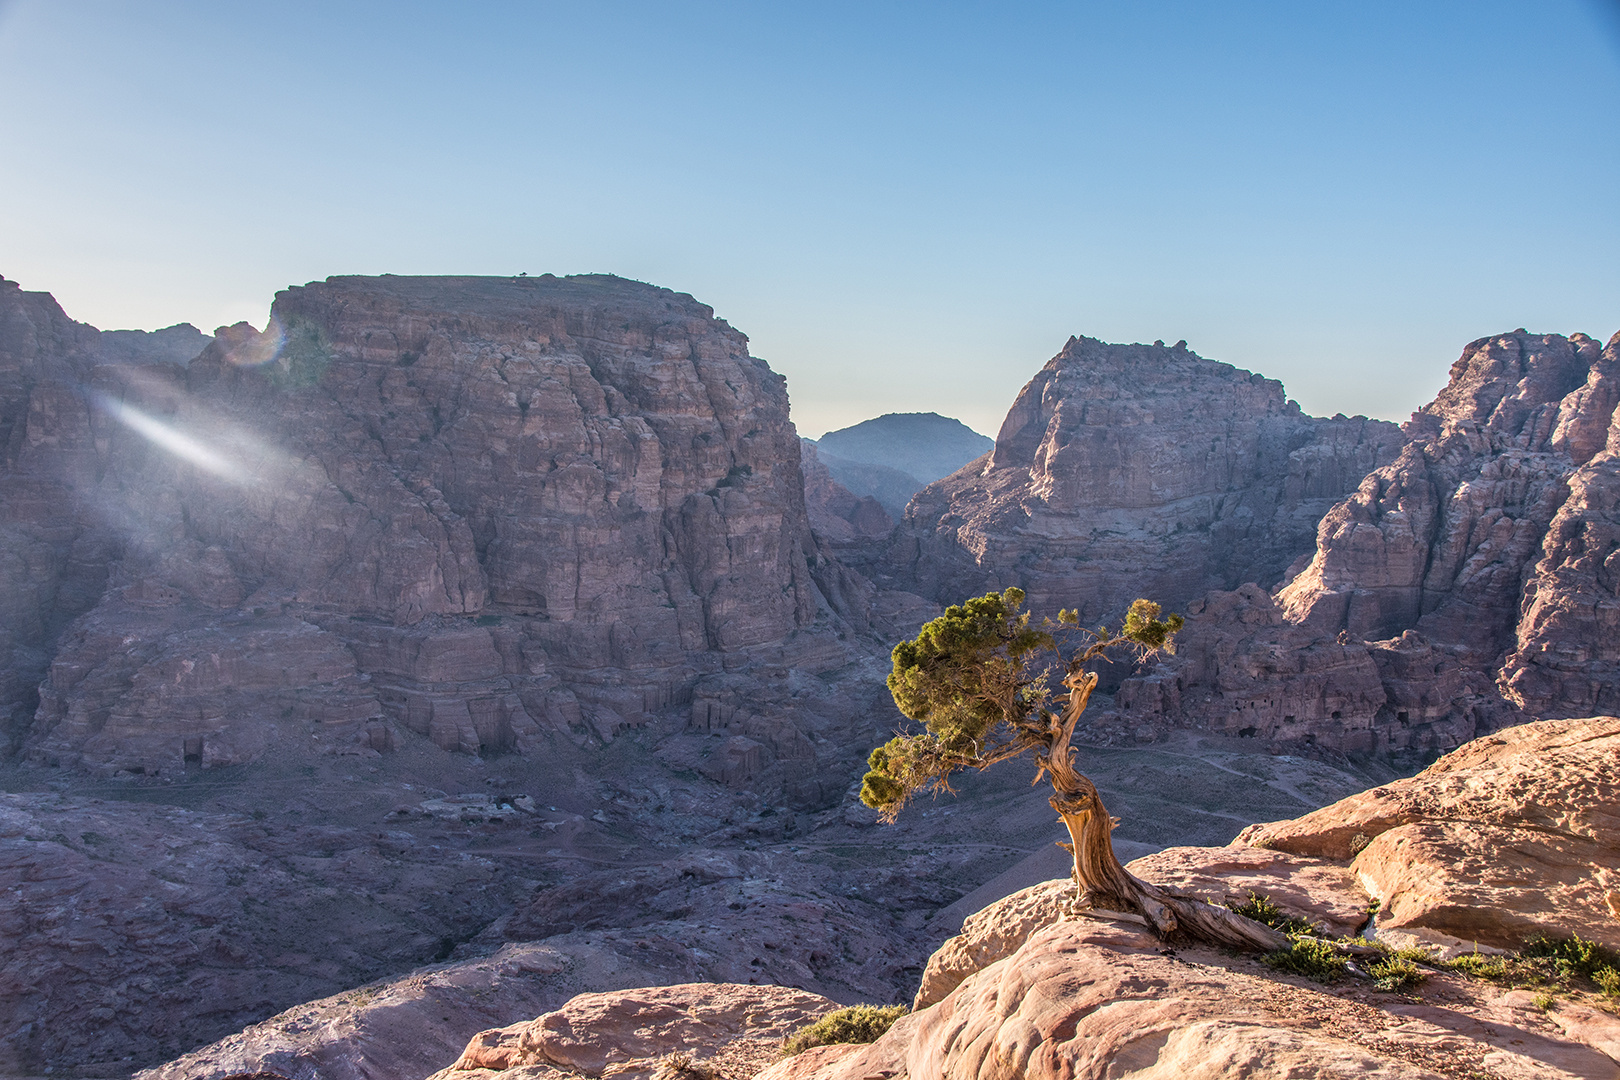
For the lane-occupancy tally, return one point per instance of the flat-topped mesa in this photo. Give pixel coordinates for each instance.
(1140, 470)
(492, 507)
(615, 452)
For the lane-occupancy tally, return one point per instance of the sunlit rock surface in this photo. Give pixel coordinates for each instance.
(1026, 990)
(1137, 470)
(1513, 835)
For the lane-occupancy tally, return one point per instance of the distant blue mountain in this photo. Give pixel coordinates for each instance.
(894, 456)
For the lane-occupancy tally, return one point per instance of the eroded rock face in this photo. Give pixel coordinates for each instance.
(1241, 668)
(488, 511)
(1137, 470)
(52, 567)
(1472, 577)
(1492, 532)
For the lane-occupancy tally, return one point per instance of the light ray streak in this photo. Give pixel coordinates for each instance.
(176, 442)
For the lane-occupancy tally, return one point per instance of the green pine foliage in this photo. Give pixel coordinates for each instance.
(977, 679)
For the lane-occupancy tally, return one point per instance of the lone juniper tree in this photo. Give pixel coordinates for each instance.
(975, 679)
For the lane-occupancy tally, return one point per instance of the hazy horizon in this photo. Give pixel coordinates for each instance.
(907, 209)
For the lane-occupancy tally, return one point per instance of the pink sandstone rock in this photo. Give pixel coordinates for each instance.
(625, 1033)
(1136, 470)
(1088, 998)
(1512, 835)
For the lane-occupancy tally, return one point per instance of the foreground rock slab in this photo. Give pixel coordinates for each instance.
(1512, 835)
(1088, 998)
(724, 1027)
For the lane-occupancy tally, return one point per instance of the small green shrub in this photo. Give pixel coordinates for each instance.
(1608, 980)
(1395, 973)
(1574, 955)
(1475, 966)
(1512, 971)
(856, 1024)
(1319, 960)
(1262, 909)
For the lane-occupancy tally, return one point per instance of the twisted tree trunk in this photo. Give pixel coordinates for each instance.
(1102, 881)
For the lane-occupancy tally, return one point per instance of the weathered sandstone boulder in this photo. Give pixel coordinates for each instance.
(1137, 470)
(1513, 835)
(627, 1033)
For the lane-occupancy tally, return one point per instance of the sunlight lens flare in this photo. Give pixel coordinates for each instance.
(174, 441)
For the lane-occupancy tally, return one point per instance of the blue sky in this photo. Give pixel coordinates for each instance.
(906, 206)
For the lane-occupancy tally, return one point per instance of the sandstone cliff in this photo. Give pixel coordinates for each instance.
(1465, 585)
(481, 510)
(1136, 470)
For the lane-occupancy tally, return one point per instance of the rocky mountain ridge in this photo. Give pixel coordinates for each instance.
(559, 536)
(1466, 585)
(893, 456)
(1134, 470)
(481, 510)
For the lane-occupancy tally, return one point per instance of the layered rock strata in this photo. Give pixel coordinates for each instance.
(1136, 470)
(1466, 585)
(482, 510)
(836, 513)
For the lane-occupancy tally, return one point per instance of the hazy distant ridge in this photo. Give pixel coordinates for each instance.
(893, 456)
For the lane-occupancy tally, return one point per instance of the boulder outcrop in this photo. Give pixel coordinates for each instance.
(629, 1032)
(1137, 470)
(1513, 835)
(1093, 999)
